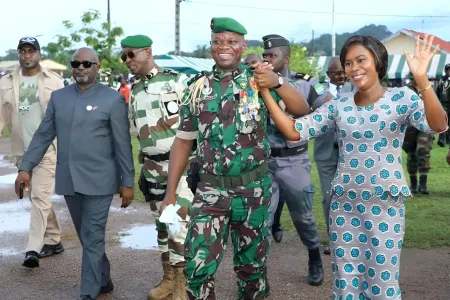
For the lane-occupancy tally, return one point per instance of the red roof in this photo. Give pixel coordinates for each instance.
(436, 41)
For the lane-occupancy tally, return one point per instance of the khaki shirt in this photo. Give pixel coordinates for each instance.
(48, 81)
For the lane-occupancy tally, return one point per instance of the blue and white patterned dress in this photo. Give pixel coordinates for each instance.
(367, 213)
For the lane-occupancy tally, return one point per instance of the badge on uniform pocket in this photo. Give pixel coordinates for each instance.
(170, 108)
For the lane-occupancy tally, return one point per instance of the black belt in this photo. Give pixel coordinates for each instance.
(284, 152)
(235, 181)
(158, 157)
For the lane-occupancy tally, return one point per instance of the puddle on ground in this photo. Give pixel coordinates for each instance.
(121, 210)
(9, 251)
(8, 179)
(143, 237)
(15, 216)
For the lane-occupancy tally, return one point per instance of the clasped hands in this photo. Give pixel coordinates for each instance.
(264, 76)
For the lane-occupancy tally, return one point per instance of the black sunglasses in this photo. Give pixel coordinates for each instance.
(86, 64)
(130, 54)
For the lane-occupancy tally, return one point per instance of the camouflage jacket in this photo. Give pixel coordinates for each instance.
(228, 144)
(154, 106)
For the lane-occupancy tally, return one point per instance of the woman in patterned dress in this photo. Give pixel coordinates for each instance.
(367, 213)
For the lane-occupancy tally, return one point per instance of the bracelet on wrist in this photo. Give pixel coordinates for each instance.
(423, 90)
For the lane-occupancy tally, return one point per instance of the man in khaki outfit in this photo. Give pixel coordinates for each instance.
(24, 94)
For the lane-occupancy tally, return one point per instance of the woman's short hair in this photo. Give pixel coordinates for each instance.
(373, 45)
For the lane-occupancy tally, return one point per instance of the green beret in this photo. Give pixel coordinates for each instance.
(227, 24)
(136, 41)
(274, 41)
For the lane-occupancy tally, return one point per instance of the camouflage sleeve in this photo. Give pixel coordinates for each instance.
(317, 123)
(188, 128)
(416, 115)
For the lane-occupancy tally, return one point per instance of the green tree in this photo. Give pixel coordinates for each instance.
(202, 52)
(299, 62)
(11, 54)
(93, 33)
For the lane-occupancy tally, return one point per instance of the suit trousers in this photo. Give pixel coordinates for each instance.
(327, 170)
(44, 225)
(89, 215)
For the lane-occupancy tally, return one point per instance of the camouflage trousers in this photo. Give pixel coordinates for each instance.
(171, 246)
(417, 145)
(216, 211)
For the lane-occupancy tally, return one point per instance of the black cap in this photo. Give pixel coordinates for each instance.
(29, 41)
(274, 40)
(447, 66)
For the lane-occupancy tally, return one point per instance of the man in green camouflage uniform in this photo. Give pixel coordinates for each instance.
(155, 98)
(443, 93)
(224, 113)
(417, 145)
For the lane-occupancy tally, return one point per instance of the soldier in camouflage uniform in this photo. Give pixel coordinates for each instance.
(155, 98)
(290, 164)
(417, 145)
(225, 114)
(443, 93)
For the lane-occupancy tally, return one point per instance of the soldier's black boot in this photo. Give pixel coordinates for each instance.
(413, 187)
(277, 235)
(447, 139)
(441, 140)
(423, 184)
(315, 272)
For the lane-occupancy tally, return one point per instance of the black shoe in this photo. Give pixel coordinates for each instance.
(413, 188)
(278, 236)
(326, 250)
(49, 250)
(108, 288)
(315, 269)
(31, 260)
(441, 140)
(423, 184)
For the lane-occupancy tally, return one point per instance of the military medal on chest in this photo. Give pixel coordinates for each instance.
(248, 101)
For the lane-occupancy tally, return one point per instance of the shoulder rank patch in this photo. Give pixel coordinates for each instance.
(302, 76)
(320, 90)
(170, 71)
(196, 77)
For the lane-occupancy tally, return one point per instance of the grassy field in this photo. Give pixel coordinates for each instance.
(426, 216)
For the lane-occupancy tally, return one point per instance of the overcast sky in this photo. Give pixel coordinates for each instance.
(293, 19)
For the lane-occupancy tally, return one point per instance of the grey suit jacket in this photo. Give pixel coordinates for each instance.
(93, 139)
(324, 144)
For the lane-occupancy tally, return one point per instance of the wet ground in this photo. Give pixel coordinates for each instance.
(131, 247)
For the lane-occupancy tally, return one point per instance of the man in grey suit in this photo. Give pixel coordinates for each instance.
(94, 161)
(325, 147)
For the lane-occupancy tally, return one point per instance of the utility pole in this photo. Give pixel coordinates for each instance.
(109, 19)
(177, 26)
(312, 46)
(333, 35)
